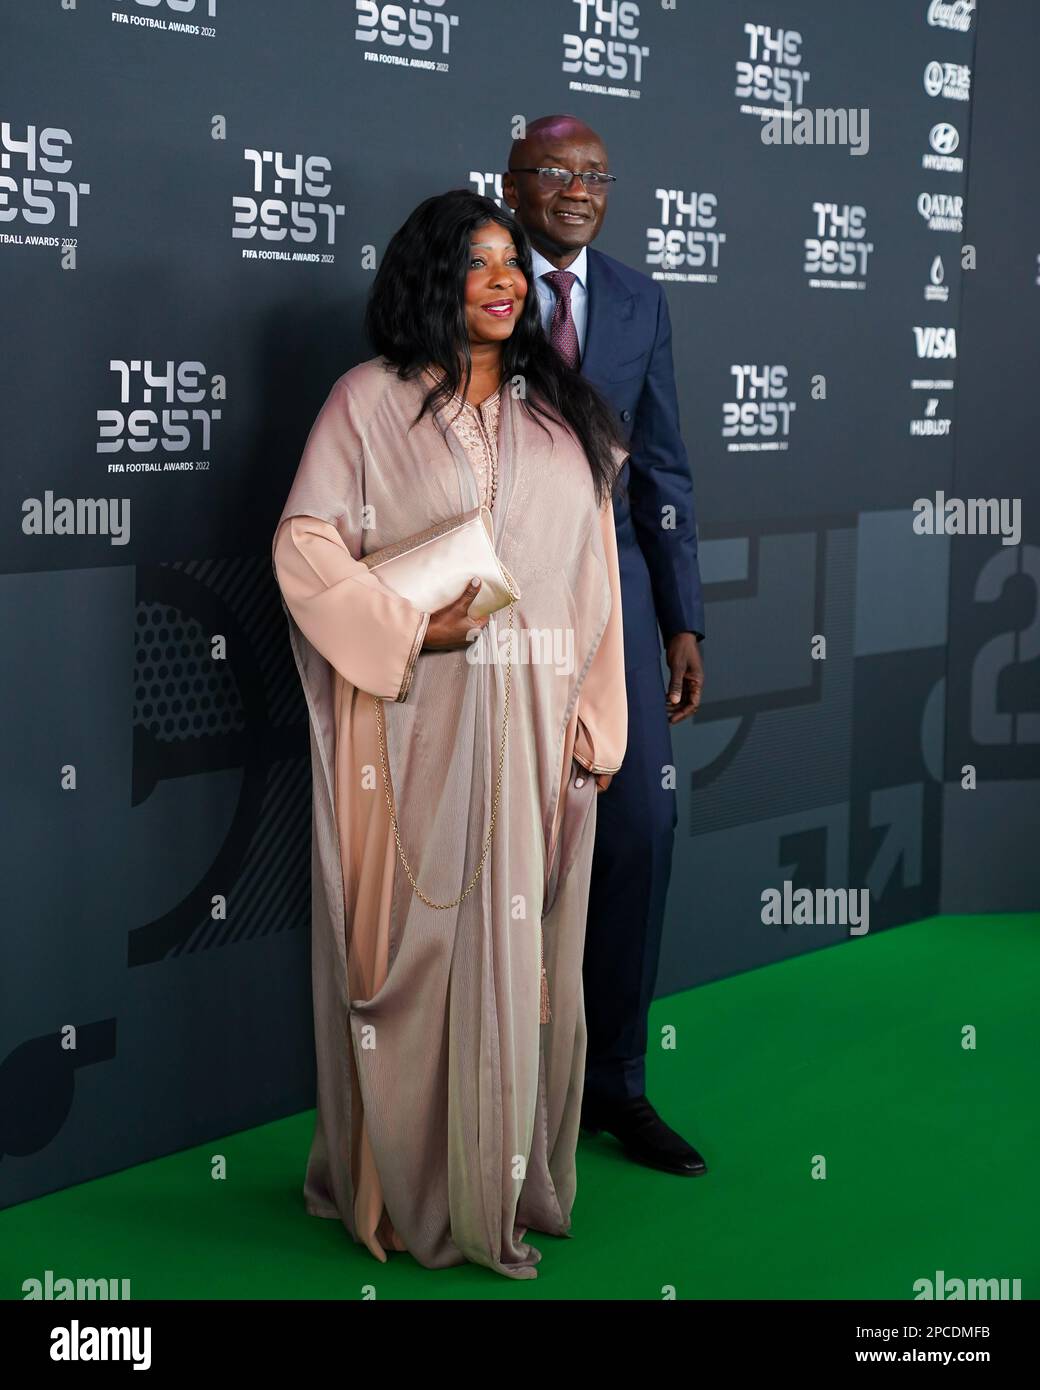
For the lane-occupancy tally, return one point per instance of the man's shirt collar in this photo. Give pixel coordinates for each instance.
(579, 266)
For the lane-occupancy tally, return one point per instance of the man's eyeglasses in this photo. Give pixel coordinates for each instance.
(592, 180)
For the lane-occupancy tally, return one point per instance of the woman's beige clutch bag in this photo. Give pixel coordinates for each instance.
(433, 567)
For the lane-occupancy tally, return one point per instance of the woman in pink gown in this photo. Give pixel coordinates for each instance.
(449, 1022)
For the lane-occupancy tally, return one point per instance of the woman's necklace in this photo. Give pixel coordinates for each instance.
(491, 454)
(488, 443)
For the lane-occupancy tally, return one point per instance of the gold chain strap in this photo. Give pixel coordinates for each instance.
(494, 801)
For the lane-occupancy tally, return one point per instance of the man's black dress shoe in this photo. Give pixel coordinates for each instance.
(643, 1134)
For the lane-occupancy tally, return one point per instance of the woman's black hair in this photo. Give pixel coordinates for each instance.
(416, 316)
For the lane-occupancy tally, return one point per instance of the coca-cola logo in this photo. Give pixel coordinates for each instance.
(951, 14)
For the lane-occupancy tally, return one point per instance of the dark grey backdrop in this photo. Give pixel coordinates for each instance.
(191, 775)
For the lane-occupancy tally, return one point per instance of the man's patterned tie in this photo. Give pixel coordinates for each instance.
(562, 333)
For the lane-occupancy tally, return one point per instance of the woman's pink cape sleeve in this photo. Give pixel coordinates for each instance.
(369, 634)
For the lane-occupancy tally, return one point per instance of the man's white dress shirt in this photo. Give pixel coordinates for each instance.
(579, 292)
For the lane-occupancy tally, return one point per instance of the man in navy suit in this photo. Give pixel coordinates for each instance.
(612, 323)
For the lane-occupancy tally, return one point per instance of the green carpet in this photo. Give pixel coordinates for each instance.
(852, 1052)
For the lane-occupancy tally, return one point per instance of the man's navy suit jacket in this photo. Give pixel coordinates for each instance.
(628, 357)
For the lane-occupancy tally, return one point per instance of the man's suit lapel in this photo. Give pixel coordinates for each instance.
(611, 307)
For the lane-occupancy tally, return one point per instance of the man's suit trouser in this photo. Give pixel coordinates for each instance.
(635, 829)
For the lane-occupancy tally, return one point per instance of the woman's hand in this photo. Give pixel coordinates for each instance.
(448, 627)
(602, 779)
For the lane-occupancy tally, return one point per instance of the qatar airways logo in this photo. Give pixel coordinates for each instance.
(760, 414)
(956, 16)
(838, 255)
(290, 200)
(413, 34)
(166, 407)
(605, 51)
(32, 190)
(685, 241)
(772, 72)
(944, 212)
